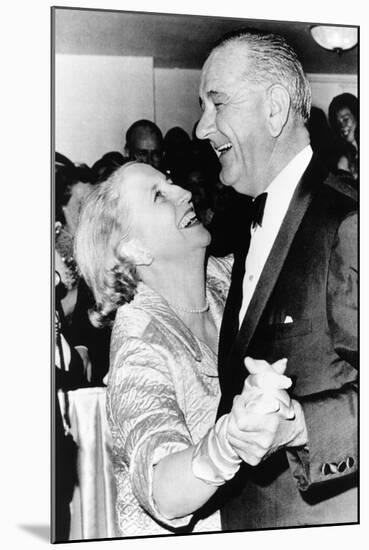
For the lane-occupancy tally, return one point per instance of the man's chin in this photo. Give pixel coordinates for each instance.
(226, 179)
(238, 184)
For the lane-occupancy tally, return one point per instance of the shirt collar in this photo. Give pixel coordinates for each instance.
(291, 173)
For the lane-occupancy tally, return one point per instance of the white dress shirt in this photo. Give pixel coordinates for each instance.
(280, 193)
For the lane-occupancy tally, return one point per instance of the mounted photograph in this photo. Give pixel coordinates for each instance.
(205, 183)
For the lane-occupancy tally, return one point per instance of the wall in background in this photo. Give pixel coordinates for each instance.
(325, 87)
(98, 97)
(177, 98)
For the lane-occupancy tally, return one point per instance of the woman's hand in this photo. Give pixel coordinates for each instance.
(257, 413)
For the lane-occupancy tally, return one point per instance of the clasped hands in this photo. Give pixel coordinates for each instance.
(263, 417)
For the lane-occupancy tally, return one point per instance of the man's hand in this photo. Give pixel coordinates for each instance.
(263, 417)
(267, 378)
(266, 383)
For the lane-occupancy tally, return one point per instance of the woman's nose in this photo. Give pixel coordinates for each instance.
(182, 195)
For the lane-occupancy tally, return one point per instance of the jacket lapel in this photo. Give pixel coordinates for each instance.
(302, 197)
(229, 327)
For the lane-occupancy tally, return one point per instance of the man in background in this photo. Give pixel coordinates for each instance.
(144, 143)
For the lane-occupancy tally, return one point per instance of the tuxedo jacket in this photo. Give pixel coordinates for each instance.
(305, 309)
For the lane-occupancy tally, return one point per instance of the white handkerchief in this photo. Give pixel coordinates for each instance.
(288, 319)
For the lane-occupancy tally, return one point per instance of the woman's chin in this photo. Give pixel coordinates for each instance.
(203, 238)
(206, 235)
(208, 239)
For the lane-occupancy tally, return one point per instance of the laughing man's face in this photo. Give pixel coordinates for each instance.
(234, 119)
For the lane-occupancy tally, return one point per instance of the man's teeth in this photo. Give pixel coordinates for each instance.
(188, 220)
(223, 148)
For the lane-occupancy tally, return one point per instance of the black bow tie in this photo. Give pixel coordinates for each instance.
(257, 209)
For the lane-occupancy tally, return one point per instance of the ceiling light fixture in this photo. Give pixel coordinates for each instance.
(333, 38)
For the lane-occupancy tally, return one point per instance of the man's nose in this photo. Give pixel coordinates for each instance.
(154, 159)
(206, 125)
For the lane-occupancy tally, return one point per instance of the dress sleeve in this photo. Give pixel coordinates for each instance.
(147, 418)
(332, 417)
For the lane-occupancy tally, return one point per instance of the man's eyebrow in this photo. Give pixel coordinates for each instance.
(214, 94)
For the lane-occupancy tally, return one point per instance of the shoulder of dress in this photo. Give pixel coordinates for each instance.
(130, 321)
(154, 324)
(218, 275)
(221, 268)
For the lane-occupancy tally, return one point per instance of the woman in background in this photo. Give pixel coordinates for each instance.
(343, 118)
(141, 249)
(71, 187)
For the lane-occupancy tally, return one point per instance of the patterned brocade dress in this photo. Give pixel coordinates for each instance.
(162, 397)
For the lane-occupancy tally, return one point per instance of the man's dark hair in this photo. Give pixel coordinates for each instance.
(143, 124)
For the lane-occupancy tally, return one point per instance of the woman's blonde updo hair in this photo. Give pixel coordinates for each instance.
(102, 228)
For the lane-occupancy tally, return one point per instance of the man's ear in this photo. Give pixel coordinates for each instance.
(279, 108)
(136, 252)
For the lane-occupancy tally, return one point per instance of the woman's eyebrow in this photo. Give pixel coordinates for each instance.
(153, 189)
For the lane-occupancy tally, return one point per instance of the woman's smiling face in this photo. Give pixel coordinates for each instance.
(346, 123)
(161, 214)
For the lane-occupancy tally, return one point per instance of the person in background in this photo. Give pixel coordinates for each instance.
(141, 249)
(186, 170)
(72, 184)
(294, 284)
(178, 156)
(70, 374)
(71, 187)
(343, 118)
(322, 139)
(202, 195)
(230, 219)
(144, 143)
(106, 165)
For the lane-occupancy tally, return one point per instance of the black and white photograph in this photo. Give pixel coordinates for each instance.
(206, 184)
(206, 188)
(182, 366)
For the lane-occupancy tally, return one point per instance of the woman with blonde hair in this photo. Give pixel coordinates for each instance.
(141, 249)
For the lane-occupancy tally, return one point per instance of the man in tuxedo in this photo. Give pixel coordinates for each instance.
(294, 286)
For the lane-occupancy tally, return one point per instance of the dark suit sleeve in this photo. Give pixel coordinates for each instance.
(331, 417)
(342, 302)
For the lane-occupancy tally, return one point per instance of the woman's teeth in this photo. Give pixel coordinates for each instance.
(188, 220)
